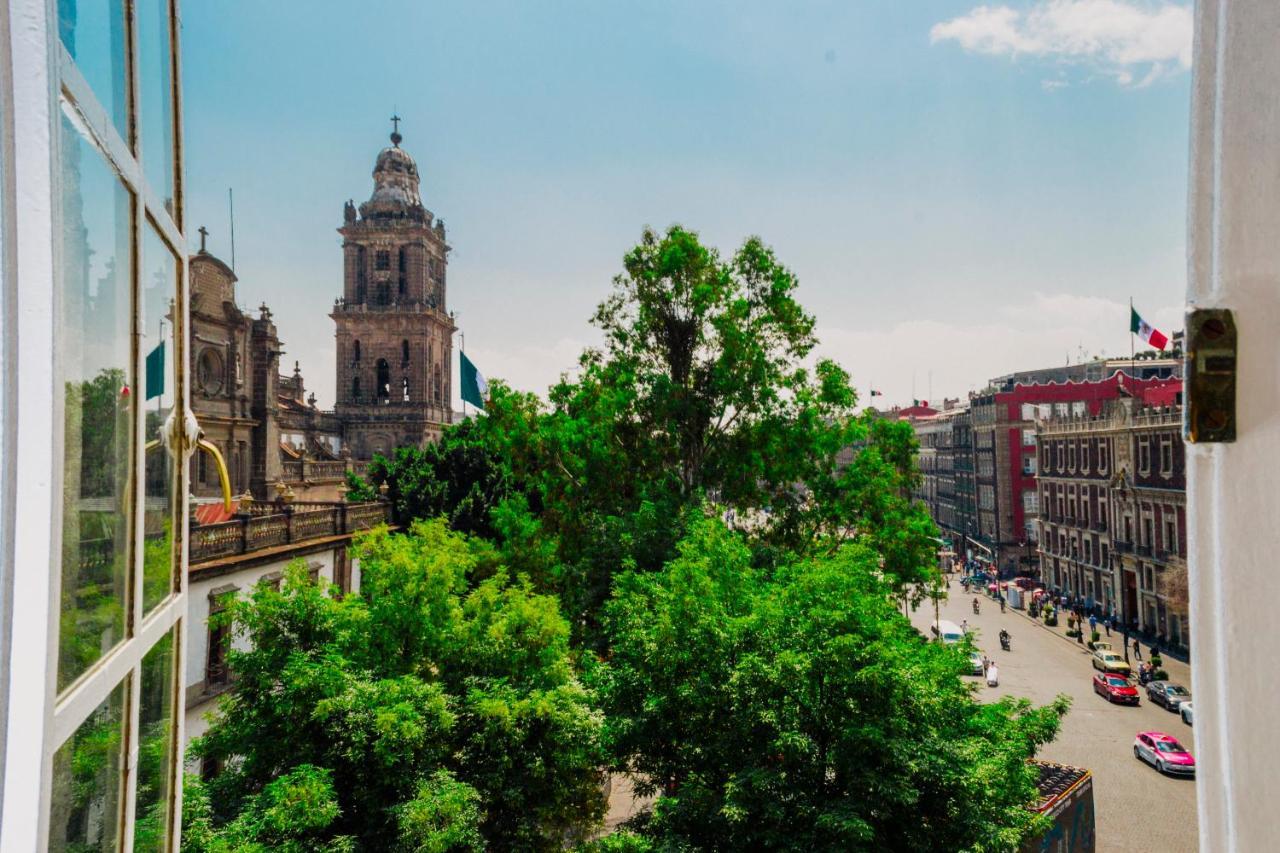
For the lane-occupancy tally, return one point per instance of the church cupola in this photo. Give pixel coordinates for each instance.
(395, 183)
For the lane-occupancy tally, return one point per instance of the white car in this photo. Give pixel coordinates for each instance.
(1187, 712)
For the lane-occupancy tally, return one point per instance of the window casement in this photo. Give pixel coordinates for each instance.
(119, 312)
(1144, 455)
(1103, 456)
(1071, 457)
(382, 260)
(1084, 457)
(1166, 457)
(218, 638)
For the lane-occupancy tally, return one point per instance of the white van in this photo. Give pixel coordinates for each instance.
(947, 632)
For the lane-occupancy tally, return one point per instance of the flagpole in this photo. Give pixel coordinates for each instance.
(1132, 356)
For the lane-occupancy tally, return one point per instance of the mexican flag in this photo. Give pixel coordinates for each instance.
(1149, 333)
(474, 389)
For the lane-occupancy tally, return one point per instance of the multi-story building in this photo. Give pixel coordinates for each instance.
(945, 458)
(1004, 427)
(1112, 493)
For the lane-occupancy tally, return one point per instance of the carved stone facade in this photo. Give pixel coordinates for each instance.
(394, 335)
(394, 354)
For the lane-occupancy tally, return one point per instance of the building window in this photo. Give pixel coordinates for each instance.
(1028, 465)
(1103, 456)
(218, 631)
(404, 390)
(1166, 457)
(383, 391)
(1028, 438)
(1084, 457)
(1170, 536)
(1079, 409)
(404, 353)
(1071, 457)
(355, 389)
(382, 260)
(355, 352)
(1031, 502)
(1144, 456)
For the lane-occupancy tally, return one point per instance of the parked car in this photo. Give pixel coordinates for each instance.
(1187, 712)
(1115, 688)
(975, 663)
(947, 632)
(1168, 694)
(1108, 661)
(1164, 753)
(1103, 646)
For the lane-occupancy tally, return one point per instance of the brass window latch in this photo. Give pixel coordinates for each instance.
(1209, 376)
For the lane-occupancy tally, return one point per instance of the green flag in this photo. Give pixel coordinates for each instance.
(155, 371)
(474, 389)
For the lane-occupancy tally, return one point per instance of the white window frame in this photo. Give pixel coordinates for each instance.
(30, 142)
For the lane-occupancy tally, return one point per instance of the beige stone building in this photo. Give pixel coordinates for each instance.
(394, 355)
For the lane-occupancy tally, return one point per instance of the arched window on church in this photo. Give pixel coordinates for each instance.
(404, 390)
(384, 294)
(404, 271)
(355, 389)
(355, 352)
(384, 380)
(404, 353)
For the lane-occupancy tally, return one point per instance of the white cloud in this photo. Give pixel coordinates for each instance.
(1126, 40)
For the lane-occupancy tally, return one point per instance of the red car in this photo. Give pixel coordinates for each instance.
(1115, 688)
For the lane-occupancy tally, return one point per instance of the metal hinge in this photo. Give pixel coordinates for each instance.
(1209, 371)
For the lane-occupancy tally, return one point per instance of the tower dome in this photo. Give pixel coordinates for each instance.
(395, 184)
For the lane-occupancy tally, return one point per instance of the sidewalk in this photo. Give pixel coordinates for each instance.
(1179, 671)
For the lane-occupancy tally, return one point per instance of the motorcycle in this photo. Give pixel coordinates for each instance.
(975, 607)
(1004, 642)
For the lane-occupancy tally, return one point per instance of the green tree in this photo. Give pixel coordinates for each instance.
(461, 477)
(419, 674)
(701, 391)
(798, 709)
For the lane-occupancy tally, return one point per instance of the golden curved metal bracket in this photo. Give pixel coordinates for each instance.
(224, 477)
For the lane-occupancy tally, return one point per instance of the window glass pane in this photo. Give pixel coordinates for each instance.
(84, 812)
(95, 268)
(159, 284)
(92, 31)
(155, 747)
(155, 79)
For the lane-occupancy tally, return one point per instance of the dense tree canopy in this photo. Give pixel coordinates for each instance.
(406, 709)
(728, 537)
(702, 392)
(799, 710)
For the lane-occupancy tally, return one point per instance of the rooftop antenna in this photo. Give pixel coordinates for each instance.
(231, 205)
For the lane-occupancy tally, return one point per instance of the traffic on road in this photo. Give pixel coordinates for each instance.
(1144, 795)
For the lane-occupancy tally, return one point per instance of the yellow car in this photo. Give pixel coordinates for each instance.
(1108, 661)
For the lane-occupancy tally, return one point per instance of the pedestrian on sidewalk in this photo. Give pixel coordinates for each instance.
(1093, 625)
(1107, 624)
(1137, 649)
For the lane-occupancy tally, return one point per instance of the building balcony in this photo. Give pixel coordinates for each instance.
(271, 525)
(1122, 546)
(1143, 550)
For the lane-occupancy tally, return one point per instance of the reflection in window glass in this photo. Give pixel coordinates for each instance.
(92, 31)
(95, 266)
(84, 812)
(155, 76)
(159, 277)
(155, 744)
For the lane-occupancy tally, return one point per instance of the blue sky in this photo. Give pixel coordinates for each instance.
(962, 191)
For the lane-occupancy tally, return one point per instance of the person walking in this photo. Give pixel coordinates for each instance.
(1093, 625)
(1137, 649)
(1106, 623)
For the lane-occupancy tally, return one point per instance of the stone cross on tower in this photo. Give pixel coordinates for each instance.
(204, 232)
(395, 130)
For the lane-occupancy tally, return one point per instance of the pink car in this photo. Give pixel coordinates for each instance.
(1163, 752)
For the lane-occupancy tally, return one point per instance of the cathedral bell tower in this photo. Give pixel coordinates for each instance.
(394, 333)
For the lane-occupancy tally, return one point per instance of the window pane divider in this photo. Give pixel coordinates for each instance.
(80, 699)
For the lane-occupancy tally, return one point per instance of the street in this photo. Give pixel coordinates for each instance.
(1137, 808)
